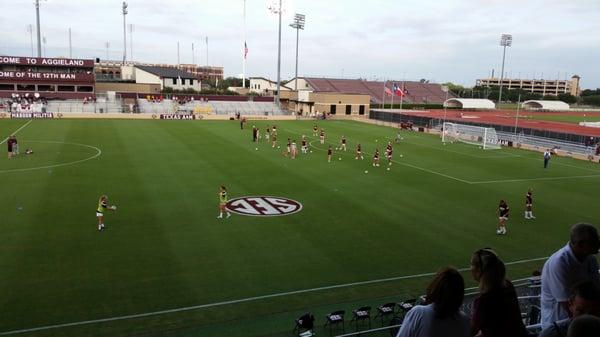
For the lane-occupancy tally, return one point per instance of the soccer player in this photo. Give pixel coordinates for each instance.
(15, 145)
(329, 154)
(288, 148)
(223, 202)
(103, 207)
(274, 136)
(315, 130)
(503, 212)
(343, 143)
(322, 136)
(376, 158)
(359, 152)
(294, 150)
(547, 156)
(267, 133)
(254, 133)
(304, 144)
(388, 153)
(258, 135)
(10, 144)
(529, 204)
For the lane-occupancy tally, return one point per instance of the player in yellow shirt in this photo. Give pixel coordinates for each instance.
(103, 207)
(222, 202)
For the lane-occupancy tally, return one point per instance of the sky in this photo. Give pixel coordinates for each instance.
(439, 40)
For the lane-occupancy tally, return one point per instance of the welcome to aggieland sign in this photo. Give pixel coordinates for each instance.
(50, 62)
(55, 77)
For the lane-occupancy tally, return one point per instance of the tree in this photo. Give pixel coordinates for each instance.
(591, 100)
(567, 98)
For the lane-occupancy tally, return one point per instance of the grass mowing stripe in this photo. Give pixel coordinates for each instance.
(15, 132)
(249, 299)
(534, 179)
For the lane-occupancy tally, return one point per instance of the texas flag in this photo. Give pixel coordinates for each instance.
(398, 91)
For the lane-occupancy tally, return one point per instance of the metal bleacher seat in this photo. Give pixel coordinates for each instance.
(361, 314)
(304, 325)
(335, 319)
(406, 306)
(385, 310)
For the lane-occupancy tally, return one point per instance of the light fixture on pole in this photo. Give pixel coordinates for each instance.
(299, 21)
(124, 32)
(277, 97)
(70, 44)
(505, 41)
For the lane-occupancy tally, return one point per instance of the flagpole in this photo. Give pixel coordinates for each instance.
(401, 94)
(244, 51)
(383, 96)
(393, 93)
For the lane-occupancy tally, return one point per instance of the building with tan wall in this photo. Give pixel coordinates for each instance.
(541, 86)
(146, 88)
(313, 103)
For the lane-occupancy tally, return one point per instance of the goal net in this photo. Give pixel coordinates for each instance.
(475, 135)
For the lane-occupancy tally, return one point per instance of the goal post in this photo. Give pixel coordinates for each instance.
(475, 135)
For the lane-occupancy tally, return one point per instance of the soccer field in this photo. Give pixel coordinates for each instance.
(164, 249)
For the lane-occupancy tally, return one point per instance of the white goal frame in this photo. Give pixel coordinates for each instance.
(470, 134)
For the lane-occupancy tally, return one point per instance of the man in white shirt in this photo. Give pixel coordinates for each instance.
(547, 156)
(572, 264)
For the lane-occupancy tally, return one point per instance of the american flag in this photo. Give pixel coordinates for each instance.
(388, 92)
(245, 49)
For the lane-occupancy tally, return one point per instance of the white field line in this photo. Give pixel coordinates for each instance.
(242, 300)
(534, 179)
(16, 131)
(98, 153)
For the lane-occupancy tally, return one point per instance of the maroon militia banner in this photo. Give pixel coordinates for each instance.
(59, 77)
(48, 62)
(28, 115)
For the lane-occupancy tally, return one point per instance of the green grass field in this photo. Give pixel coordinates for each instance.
(592, 117)
(163, 248)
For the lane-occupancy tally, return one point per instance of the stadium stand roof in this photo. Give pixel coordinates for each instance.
(470, 103)
(415, 92)
(166, 72)
(546, 105)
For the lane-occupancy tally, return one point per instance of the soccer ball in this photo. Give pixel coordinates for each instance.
(114, 207)
(256, 149)
(340, 158)
(388, 168)
(401, 156)
(376, 140)
(366, 171)
(310, 151)
(279, 147)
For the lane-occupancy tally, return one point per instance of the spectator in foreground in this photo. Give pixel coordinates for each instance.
(496, 311)
(572, 264)
(584, 326)
(585, 299)
(441, 316)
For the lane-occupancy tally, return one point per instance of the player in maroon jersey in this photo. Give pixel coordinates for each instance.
(322, 136)
(304, 144)
(10, 143)
(274, 136)
(343, 143)
(329, 154)
(529, 204)
(376, 158)
(388, 153)
(359, 152)
(503, 213)
(288, 148)
(315, 130)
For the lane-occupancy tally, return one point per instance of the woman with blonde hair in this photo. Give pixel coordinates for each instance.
(496, 311)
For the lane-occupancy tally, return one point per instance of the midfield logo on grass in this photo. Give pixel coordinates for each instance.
(263, 206)
(180, 117)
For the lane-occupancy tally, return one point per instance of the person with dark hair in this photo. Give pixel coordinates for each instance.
(503, 212)
(496, 311)
(223, 202)
(441, 315)
(584, 326)
(570, 265)
(585, 299)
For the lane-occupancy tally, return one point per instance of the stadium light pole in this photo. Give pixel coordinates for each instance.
(124, 31)
(30, 30)
(39, 32)
(277, 97)
(444, 89)
(44, 41)
(505, 41)
(517, 117)
(107, 45)
(299, 22)
(131, 42)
